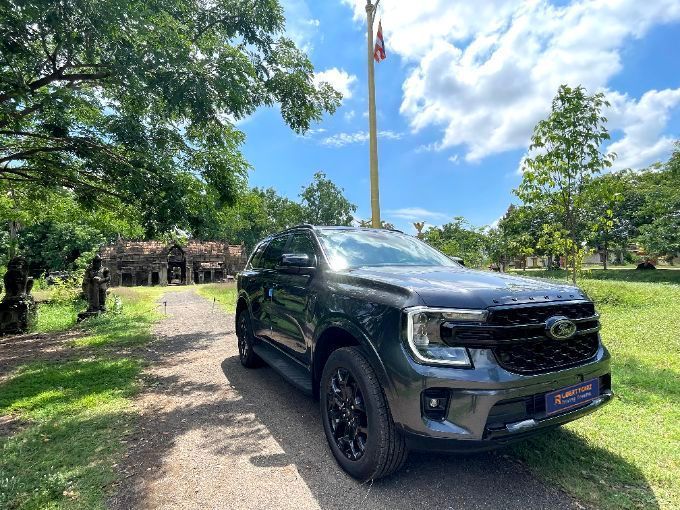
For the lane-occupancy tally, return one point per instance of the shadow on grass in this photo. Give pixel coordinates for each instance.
(41, 468)
(53, 388)
(590, 473)
(75, 415)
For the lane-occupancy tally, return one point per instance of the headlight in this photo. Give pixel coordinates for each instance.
(423, 334)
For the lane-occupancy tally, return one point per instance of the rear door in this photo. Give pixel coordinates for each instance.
(293, 301)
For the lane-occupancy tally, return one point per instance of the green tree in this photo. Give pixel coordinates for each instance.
(323, 203)
(603, 196)
(565, 156)
(658, 215)
(458, 238)
(136, 100)
(52, 229)
(519, 235)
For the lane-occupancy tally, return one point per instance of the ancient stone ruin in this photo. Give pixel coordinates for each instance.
(17, 309)
(134, 263)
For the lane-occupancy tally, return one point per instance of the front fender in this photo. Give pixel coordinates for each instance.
(367, 345)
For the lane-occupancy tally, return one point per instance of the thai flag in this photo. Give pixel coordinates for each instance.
(379, 51)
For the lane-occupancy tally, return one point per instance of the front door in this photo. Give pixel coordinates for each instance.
(263, 286)
(293, 302)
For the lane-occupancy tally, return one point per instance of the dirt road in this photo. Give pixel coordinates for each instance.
(215, 435)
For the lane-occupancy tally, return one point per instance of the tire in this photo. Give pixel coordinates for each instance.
(245, 337)
(357, 419)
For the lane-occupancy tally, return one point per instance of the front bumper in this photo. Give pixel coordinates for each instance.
(488, 406)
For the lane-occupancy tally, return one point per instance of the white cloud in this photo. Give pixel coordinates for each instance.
(340, 79)
(455, 159)
(486, 72)
(416, 214)
(342, 139)
(350, 115)
(300, 26)
(642, 123)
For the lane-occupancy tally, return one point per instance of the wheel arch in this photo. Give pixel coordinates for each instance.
(242, 303)
(337, 333)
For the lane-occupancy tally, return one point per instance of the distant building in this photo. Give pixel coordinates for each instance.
(134, 263)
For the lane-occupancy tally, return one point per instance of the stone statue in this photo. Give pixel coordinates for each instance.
(95, 286)
(419, 225)
(17, 309)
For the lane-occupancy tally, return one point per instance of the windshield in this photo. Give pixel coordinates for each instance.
(359, 248)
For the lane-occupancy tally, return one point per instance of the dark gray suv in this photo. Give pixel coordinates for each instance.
(407, 349)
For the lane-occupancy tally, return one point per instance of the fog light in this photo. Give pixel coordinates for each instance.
(434, 403)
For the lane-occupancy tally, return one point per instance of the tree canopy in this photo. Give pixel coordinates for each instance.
(323, 203)
(136, 100)
(566, 156)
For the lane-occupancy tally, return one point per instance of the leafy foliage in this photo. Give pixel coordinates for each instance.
(136, 100)
(458, 238)
(324, 204)
(566, 157)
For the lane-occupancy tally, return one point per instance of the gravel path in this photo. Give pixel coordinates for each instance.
(215, 435)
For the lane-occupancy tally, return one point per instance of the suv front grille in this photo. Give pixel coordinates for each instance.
(517, 336)
(544, 355)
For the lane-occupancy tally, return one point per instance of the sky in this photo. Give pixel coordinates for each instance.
(463, 85)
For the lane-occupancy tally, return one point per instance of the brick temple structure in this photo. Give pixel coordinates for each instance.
(134, 263)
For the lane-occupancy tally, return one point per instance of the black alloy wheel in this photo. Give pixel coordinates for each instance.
(347, 414)
(245, 341)
(356, 417)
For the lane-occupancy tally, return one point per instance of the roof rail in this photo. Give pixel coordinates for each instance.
(301, 225)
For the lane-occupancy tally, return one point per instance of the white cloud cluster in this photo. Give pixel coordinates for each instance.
(341, 139)
(486, 72)
(301, 27)
(416, 214)
(340, 79)
(642, 123)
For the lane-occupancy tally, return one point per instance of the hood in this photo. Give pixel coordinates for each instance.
(458, 287)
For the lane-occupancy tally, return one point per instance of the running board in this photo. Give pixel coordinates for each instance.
(291, 371)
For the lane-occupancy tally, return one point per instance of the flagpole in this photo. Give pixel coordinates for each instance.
(372, 128)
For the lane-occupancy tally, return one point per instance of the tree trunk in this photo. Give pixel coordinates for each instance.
(573, 265)
(606, 253)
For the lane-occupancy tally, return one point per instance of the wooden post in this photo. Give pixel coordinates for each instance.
(372, 124)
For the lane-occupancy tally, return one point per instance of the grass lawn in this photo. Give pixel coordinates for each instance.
(72, 414)
(627, 455)
(222, 294)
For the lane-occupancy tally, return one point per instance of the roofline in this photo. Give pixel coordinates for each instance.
(309, 226)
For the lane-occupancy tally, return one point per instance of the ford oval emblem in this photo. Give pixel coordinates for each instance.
(560, 328)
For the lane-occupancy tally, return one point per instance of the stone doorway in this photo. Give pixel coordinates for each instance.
(177, 266)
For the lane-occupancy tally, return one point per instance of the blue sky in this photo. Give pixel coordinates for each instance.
(460, 92)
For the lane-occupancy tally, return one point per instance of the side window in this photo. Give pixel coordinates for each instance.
(302, 243)
(256, 259)
(272, 255)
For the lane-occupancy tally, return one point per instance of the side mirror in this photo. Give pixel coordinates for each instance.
(297, 263)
